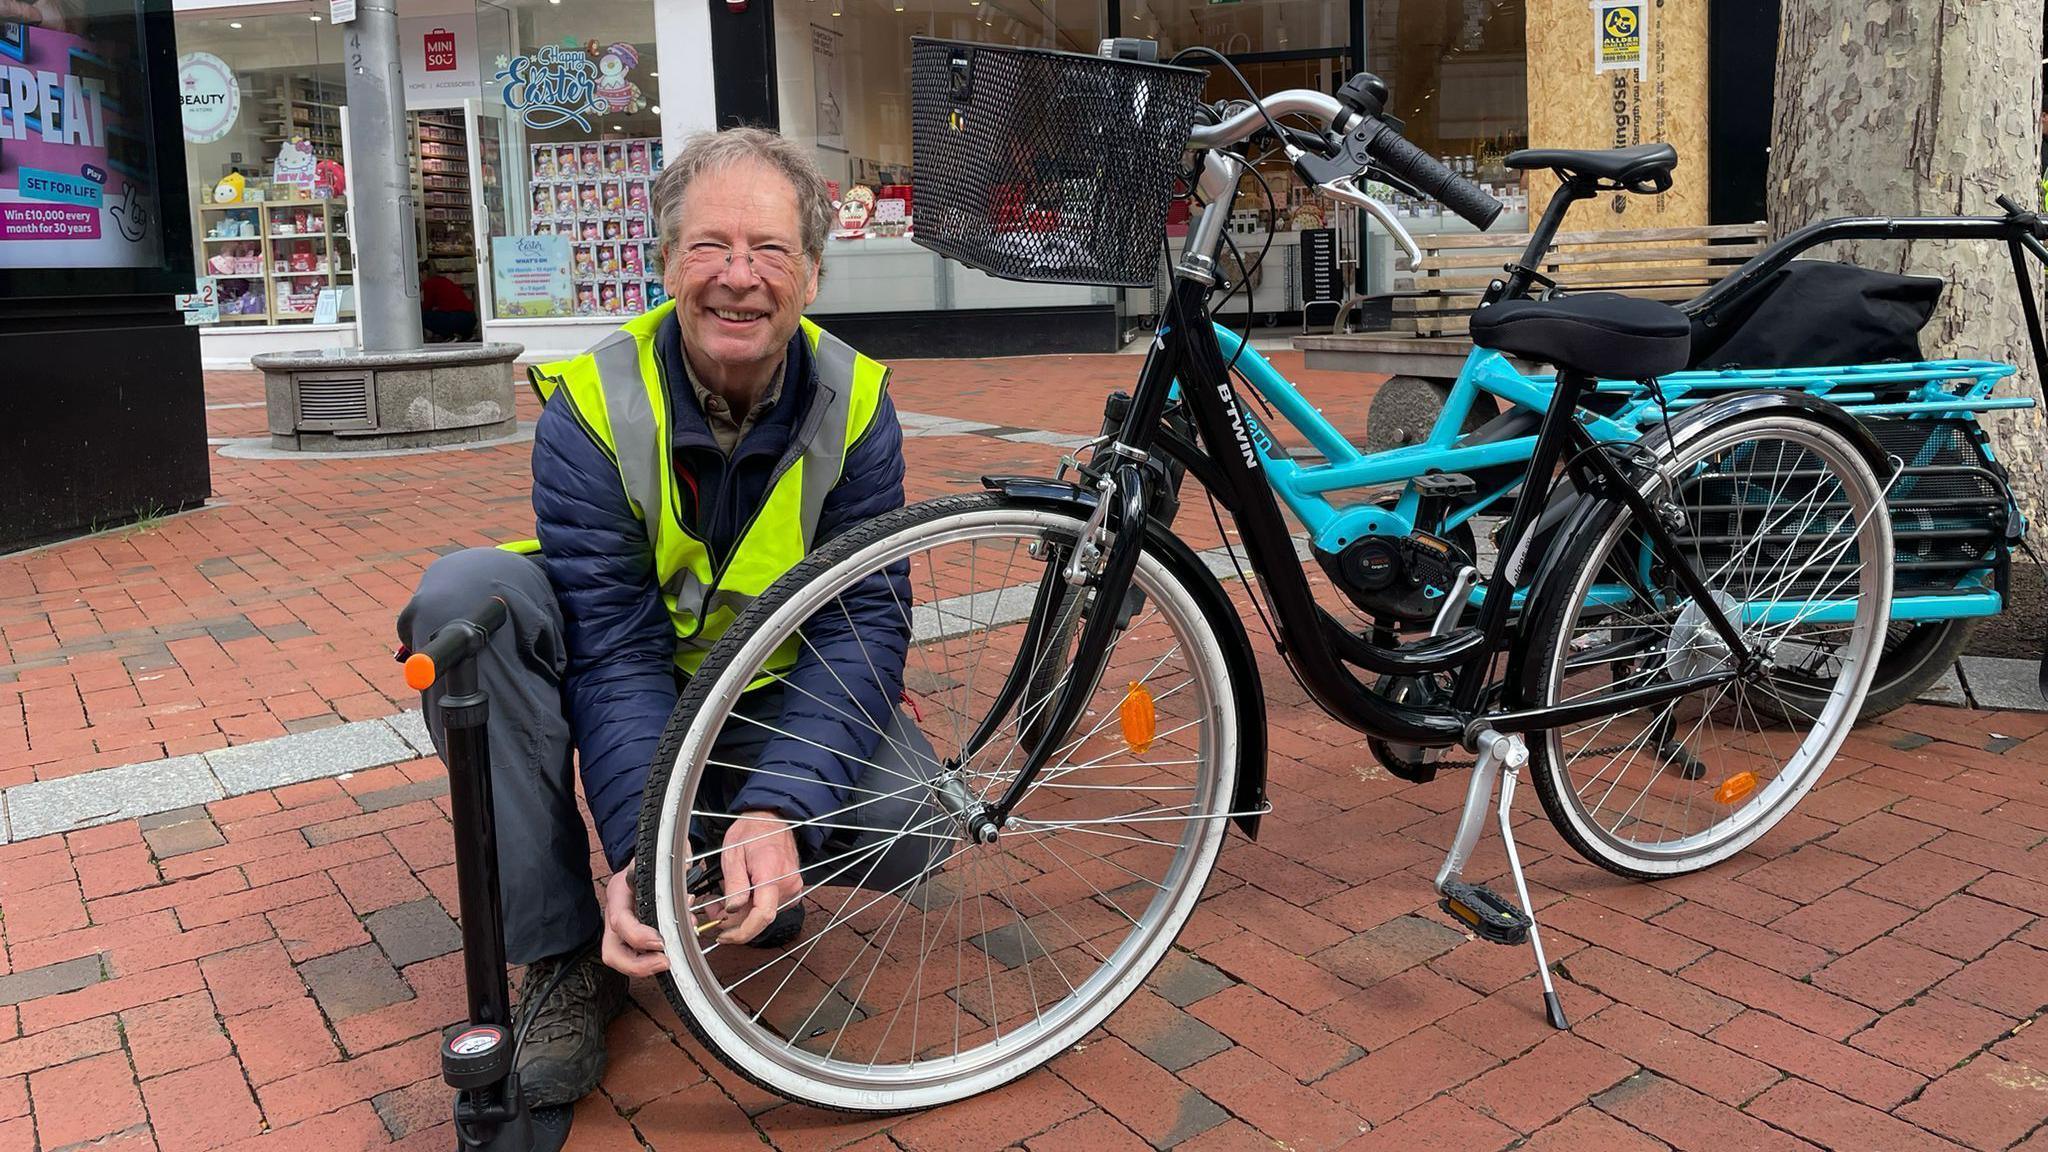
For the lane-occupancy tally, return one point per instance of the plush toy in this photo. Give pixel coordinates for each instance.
(330, 180)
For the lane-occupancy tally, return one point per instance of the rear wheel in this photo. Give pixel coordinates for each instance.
(1785, 523)
(932, 963)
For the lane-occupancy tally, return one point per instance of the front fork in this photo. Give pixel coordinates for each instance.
(1104, 559)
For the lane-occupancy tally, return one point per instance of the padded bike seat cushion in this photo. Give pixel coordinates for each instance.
(1651, 163)
(1602, 334)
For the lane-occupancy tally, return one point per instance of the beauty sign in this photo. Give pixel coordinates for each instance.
(77, 186)
(209, 99)
(568, 83)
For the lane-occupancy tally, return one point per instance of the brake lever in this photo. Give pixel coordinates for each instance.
(1346, 190)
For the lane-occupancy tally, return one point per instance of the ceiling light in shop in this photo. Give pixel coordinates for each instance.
(234, 23)
(656, 109)
(314, 19)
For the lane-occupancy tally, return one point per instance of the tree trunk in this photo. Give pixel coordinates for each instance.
(1919, 108)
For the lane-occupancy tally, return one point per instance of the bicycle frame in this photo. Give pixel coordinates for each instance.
(1305, 489)
(1187, 358)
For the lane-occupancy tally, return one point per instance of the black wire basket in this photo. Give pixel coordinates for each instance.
(1030, 164)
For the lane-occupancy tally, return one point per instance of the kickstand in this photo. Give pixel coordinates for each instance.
(1486, 914)
(1511, 767)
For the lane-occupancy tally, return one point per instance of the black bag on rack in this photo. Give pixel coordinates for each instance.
(1812, 313)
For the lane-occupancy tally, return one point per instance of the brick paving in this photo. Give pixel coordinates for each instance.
(270, 970)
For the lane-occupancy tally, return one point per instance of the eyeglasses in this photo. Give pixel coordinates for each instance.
(769, 261)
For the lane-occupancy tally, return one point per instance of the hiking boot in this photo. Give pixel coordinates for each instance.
(563, 1057)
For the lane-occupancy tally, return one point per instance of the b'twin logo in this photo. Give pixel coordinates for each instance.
(1244, 440)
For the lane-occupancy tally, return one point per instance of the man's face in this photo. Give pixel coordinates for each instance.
(735, 311)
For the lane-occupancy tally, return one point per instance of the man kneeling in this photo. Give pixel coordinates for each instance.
(649, 546)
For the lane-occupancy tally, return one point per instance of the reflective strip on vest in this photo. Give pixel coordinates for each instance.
(616, 393)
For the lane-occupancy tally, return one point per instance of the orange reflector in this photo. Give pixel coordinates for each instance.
(1140, 721)
(419, 672)
(1735, 788)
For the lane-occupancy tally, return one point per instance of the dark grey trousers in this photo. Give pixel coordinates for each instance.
(544, 877)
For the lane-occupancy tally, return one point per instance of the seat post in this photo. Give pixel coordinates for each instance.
(1570, 190)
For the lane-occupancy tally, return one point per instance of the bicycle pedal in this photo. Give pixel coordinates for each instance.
(1489, 916)
(1445, 485)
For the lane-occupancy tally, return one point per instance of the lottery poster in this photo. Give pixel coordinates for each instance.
(77, 187)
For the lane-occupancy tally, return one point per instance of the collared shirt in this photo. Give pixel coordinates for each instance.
(718, 414)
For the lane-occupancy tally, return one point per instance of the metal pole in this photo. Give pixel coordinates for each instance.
(380, 185)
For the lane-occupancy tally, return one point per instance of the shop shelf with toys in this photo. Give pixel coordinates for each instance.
(270, 259)
(600, 197)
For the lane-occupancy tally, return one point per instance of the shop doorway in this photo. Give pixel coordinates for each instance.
(443, 161)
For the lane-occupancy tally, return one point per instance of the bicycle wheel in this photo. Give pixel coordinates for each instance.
(931, 966)
(1785, 523)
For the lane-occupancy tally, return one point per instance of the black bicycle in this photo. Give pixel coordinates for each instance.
(1086, 713)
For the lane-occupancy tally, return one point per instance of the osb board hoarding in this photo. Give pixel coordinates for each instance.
(1573, 106)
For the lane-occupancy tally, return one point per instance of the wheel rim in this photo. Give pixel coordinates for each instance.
(1784, 521)
(910, 991)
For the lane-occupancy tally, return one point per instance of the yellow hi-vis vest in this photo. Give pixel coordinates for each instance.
(616, 392)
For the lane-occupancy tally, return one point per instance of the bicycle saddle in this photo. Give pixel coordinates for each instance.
(1600, 334)
(1644, 168)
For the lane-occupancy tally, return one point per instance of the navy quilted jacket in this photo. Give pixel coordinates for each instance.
(622, 682)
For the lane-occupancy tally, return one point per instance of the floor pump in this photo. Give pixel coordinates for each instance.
(479, 1057)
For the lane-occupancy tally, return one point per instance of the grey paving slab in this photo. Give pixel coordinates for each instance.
(1041, 436)
(51, 979)
(415, 931)
(2002, 682)
(1947, 690)
(304, 756)
(411, 726)
(920, 424)
(110, 794)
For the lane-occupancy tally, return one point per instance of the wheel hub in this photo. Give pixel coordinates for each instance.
(969, 814)
(1695, 648)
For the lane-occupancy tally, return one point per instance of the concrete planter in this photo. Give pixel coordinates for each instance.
(347, 400)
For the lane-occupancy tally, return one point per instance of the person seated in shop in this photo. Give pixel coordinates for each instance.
(446, 311)
(593, 654)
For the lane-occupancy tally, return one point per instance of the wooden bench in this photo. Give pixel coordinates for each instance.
(1437, 298)
(1432, 303)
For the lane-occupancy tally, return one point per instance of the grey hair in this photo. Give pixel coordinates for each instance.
(716, 151)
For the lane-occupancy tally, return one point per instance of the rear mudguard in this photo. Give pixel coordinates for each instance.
(1250, 798)
(1581, 512)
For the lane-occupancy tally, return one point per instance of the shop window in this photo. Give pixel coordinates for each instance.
(843, 87)
(1457, 74)
(572, 137)
(262, 124)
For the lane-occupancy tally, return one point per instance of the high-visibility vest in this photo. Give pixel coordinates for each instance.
(616, 392)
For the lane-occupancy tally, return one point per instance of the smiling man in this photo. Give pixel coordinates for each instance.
(679, 468)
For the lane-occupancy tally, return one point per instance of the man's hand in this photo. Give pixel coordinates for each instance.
(760, 866)
(629, 946)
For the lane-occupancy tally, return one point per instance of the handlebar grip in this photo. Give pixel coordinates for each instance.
(1398, 155)
(451, 642)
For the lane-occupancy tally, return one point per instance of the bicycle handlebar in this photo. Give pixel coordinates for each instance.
(1369, 139)
(1401, 157)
